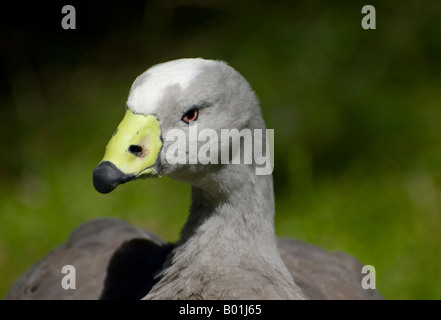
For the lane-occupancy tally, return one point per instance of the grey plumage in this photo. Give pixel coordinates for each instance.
(227, 248)
(89, 249)
(320, 274)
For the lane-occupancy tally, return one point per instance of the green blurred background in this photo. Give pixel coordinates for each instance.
(356, 114)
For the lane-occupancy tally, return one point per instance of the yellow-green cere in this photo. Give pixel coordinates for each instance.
(135, 132)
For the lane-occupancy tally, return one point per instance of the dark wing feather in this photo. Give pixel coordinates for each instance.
(322, 274)
(132, 269)
(89, 249)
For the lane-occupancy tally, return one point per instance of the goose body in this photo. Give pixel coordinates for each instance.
(227, 248)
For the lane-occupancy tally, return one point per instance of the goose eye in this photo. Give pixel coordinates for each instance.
(190, 115)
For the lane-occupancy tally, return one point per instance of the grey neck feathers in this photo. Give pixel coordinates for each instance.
(228, 247)
(233, 204)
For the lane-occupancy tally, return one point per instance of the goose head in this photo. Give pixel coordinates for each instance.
(176, 115)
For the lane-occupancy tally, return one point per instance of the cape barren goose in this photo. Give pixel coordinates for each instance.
(227, 248)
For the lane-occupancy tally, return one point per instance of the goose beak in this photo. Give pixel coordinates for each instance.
(131, 152)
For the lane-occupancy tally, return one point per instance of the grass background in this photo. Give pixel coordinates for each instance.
(356, 114)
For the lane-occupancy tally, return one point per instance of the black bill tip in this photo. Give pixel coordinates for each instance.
(107, 177)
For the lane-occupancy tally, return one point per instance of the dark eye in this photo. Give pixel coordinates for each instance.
(190, 115)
